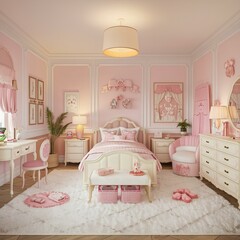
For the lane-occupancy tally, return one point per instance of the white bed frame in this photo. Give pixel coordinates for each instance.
(120, 160)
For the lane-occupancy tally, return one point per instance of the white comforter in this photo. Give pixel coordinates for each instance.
(125, 145)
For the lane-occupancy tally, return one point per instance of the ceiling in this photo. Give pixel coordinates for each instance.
(172, 27)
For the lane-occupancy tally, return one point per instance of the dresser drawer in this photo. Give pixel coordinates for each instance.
(207, 141)
(227, 185)
(162, 149)
(228, 147)
(28, 148)
(17, 153)
(163, 157)
(75, 149)
(209, 152)
(77, 157)
(75, 144)
(208, 162)
(228, 160)
(228, 172)
(208, 173)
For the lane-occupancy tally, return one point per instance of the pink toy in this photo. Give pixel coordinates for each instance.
(105, 171)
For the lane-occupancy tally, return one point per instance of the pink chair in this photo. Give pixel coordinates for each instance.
(39, 164)
(184, 153)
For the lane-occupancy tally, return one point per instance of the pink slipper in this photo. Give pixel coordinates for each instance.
(190, 194)
(186, 198)
(180, 190)
(177, 196)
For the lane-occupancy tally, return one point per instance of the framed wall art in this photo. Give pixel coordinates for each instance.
(32, 88)
(32, 113)
(71, 102)
(167, 102)
(40, 90)
(40, 113)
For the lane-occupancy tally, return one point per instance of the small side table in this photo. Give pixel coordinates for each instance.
(159, 147)
(75, 149)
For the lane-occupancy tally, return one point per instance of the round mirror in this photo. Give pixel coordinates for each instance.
(234, 105)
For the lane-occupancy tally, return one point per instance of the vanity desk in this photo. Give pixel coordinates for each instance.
(220, 163)
(14, 150)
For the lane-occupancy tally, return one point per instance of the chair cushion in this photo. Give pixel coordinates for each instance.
(186, 148)
(34, 163)
(184, 156)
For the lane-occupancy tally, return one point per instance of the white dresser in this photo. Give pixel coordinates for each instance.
(220, 163)
(159, 147)
(75, 149)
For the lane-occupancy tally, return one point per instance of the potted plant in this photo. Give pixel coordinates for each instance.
(183, 126)
(56, 128)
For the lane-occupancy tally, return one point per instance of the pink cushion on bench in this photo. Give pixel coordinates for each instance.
(37, 163)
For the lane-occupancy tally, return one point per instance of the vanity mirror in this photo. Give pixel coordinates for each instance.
(234, 105)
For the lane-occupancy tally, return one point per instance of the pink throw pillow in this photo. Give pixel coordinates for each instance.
(108, 136)
(129, 135)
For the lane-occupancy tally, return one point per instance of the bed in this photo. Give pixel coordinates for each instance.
(119, 144)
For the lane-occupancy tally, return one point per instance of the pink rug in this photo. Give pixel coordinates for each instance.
(47, 199)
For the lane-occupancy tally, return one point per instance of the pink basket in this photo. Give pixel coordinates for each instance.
(130, 193)
(107, 193)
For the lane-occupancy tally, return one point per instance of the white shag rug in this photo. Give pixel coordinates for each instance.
(207, 215)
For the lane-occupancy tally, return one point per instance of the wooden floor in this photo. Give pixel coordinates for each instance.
(5, 198)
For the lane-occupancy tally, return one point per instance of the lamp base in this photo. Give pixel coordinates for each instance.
(79, 132)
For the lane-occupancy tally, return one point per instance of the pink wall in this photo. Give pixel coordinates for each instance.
(127, 73)
(203, 70)
(74, 78)
(230, 48)
(37, 68)
(168, 73)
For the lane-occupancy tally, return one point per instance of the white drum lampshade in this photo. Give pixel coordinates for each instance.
(120, 41)
(80, 121)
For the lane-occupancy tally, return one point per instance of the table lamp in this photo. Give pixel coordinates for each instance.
(219, 113)
(80, 121)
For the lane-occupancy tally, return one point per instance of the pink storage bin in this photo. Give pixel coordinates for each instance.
(105, 171)
(130, 193)
(107, 193)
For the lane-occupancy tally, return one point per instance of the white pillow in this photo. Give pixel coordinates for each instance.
(108, 133)
(186, 148)
(130, 133)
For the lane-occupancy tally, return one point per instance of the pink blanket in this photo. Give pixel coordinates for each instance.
(109, 146)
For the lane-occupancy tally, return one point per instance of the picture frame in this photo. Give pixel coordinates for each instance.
(32, 88)
(40, 90)
(167, 102)
(40, 113)
(71, 102)
(32, 113)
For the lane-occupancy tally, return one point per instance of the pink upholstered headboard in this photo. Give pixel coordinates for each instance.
(122, 122)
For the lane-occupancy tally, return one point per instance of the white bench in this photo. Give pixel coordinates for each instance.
(119, 177)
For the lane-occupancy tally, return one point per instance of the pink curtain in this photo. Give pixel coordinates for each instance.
(8, 98)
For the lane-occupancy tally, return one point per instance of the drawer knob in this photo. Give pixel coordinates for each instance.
(226, 147)
(207, 151)
(207, 172)
(226, 183)
(27, 148)
(226, 159)
(18, 152)
(207, 141)
(207, 162)
(226, 171)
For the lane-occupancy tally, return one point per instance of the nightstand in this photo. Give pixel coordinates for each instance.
(159, 147)
(75, 149)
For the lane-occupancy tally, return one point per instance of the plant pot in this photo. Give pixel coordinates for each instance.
(53, 160)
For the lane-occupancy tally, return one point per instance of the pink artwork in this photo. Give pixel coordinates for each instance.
(168, 102)
(229, 67)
